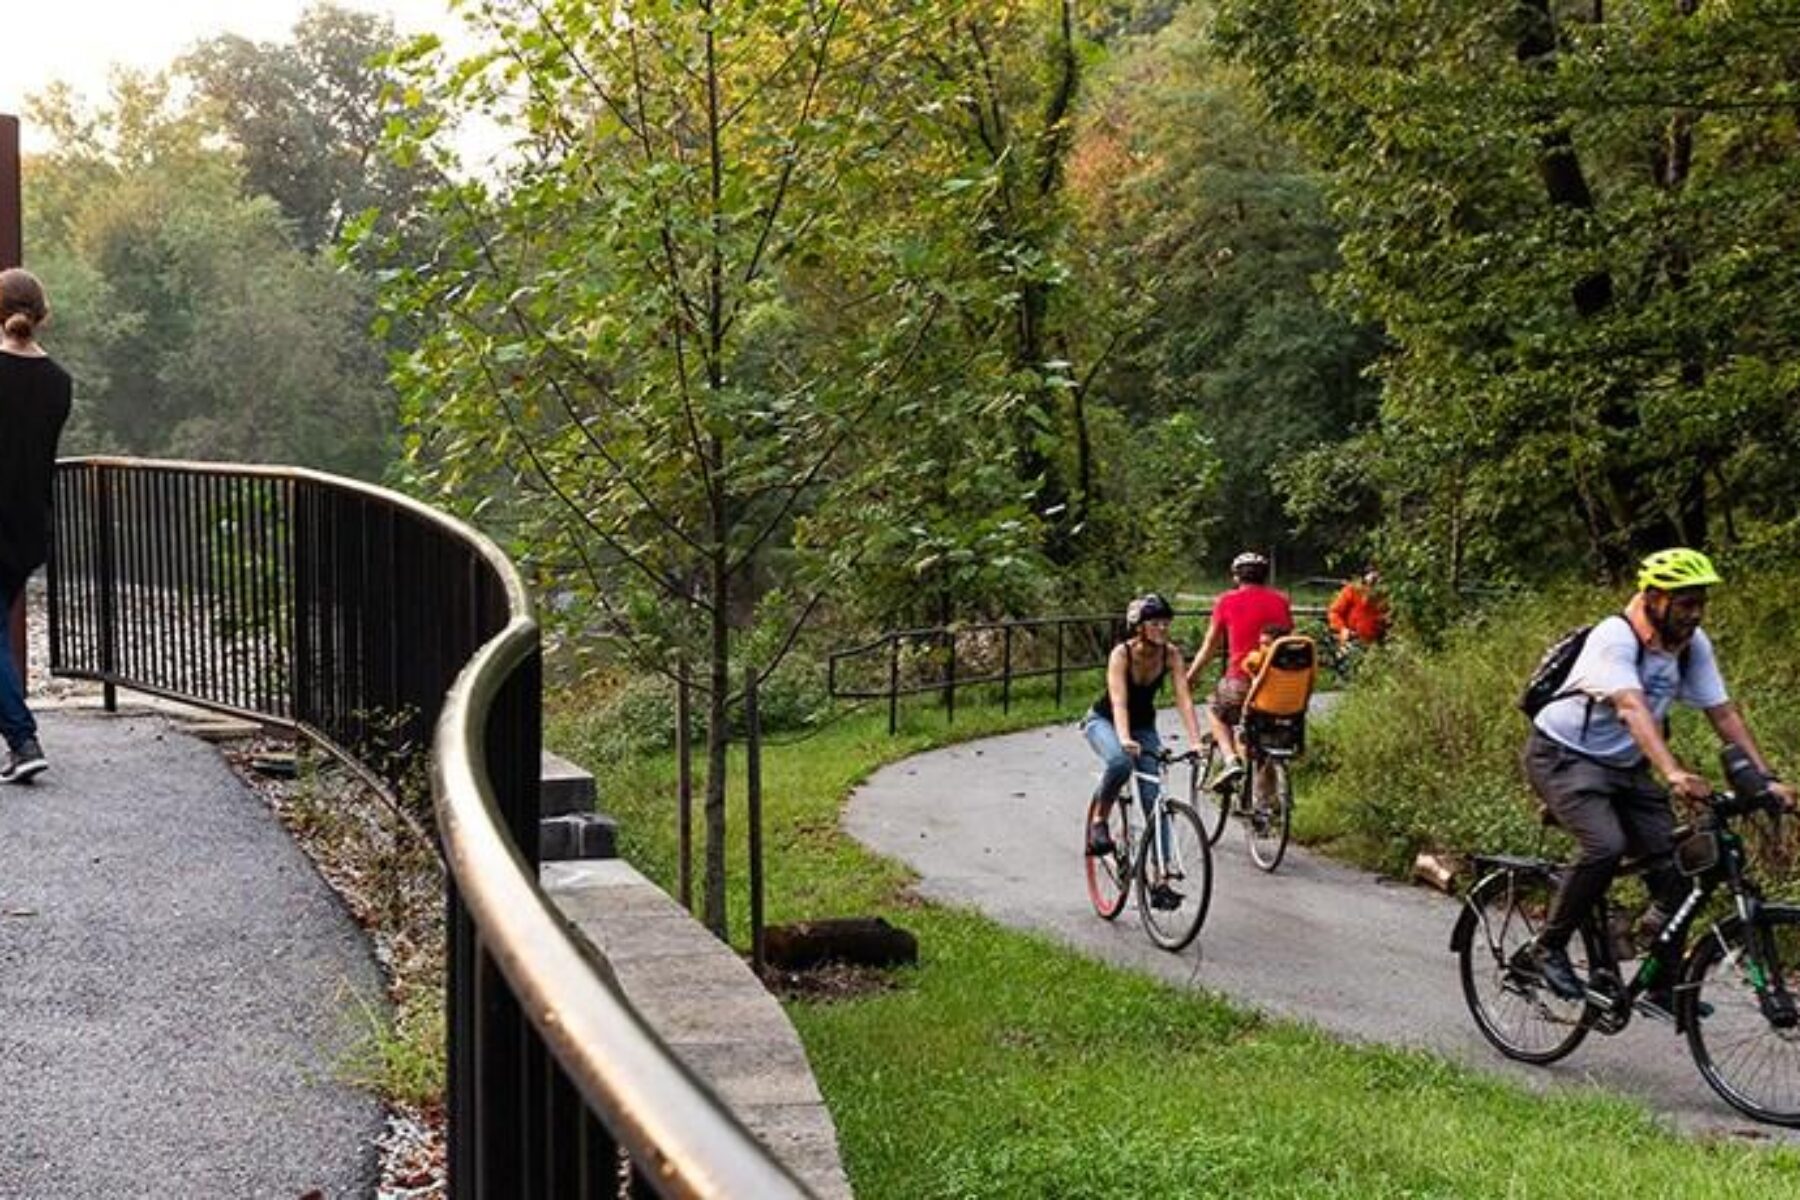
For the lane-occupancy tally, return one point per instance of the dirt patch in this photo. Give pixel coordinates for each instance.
(829, 984)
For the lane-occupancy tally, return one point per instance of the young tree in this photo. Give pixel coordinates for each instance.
(670, 343)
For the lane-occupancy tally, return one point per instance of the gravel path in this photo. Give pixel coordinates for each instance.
(177, 985)
(995, 825)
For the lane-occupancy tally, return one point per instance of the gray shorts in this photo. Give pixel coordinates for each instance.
(1227, 700)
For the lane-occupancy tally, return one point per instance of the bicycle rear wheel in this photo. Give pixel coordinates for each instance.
(1748, 1047)
(1511, 1004)
(1271, 811)
(1207, 804)
(1109, 875)
(1173, 893)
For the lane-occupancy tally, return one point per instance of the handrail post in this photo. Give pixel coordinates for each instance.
(950, 678)
(893, 686)
(1059, 665)
(109, 612)
(1006, 668)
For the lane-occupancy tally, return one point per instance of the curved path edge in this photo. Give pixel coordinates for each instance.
(995, 825)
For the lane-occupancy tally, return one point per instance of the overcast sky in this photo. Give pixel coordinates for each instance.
(77, 40)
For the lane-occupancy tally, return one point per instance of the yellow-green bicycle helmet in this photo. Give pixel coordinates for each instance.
(1677, 567)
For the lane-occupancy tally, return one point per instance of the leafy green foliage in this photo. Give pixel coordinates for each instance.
(673, 349)
(193, 325)
(1573, 223)
(307, 115)
(1207, 226)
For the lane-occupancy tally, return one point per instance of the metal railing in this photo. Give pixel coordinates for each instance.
(940, 659)
(370, 623)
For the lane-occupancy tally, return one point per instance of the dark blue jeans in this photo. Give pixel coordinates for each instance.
(15, 719)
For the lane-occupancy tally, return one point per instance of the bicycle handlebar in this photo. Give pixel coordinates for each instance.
(1729, 804)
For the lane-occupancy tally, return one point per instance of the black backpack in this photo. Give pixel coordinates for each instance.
(1552, 672)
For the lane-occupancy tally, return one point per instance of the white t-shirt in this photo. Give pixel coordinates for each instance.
(1612, 660)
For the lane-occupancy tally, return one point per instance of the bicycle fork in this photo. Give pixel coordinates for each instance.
(1764, 968)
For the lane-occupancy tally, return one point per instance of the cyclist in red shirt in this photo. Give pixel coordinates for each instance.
(1238, 619)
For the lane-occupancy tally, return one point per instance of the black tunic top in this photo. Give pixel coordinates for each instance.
(35, 396)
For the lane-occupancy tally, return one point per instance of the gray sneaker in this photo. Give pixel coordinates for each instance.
(1227, 781)
(24, 762)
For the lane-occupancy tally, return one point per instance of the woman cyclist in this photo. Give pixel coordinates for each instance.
(1134, 673)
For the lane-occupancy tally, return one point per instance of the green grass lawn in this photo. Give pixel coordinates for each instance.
(1004, 1065)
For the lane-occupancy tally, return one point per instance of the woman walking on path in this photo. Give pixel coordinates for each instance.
(1121, 727)
(35, 396)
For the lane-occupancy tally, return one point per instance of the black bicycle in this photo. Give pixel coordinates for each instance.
(1263, 797)
(1734, 990)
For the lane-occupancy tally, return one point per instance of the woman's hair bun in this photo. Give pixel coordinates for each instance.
(22, 304)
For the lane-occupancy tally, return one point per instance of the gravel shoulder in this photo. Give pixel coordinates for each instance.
(995, 825)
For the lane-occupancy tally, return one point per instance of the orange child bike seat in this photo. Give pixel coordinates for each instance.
(1284, 685)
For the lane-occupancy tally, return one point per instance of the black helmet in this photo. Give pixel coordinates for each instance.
(1148, 607)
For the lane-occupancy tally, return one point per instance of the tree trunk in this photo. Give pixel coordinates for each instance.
(718, 729)
(719, 519)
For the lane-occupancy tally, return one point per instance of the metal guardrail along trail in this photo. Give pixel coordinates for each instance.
(383, 630)
(940, 659)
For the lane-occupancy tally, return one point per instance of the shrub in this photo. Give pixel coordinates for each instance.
(636, 717)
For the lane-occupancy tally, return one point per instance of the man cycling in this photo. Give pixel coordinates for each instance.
(1238, 619)
(1593, 749)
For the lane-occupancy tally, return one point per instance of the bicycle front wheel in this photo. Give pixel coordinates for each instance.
(1271, 811)
(1512, 1005)
(1174, 876)
(1747, 1045)
(1207, 804)
(1109, 875)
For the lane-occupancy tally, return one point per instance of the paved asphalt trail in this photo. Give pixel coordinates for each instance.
(175, 983)
(995, 825)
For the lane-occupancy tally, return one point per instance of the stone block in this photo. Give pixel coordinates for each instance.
(564, 787)
(577, 835)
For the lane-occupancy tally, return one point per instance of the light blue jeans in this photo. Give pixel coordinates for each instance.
(1116, 764)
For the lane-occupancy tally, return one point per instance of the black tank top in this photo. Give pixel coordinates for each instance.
(1140, 698)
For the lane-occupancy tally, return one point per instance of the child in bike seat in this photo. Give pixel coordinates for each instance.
(1282, 670)
(1253, 661)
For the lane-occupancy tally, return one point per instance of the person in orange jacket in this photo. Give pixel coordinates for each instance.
(1358, 611)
